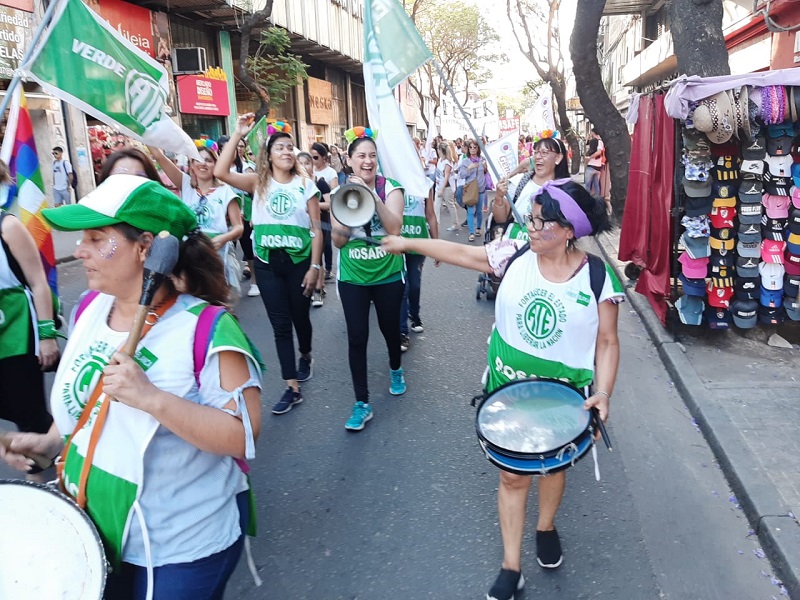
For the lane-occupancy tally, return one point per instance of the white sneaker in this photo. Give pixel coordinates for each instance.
(253, 291)
(316, 299)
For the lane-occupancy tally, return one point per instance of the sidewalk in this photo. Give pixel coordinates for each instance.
(64, 243)
(744, 396)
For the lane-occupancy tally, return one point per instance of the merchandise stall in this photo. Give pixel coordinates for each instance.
(732, 234)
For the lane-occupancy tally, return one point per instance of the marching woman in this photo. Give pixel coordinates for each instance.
(547, 162)
(305, 161)
(287, 243)
(327, 179)
(472, 169)
(368, 274)
(215, 206)
(155, 469)
(580, 345)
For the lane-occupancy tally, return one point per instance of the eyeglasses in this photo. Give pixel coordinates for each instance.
(543, 152)
(537, 223)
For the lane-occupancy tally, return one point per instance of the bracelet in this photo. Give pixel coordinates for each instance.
(313, 266)
(47, 330)
(606, 394)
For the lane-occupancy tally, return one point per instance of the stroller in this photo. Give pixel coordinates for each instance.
(488, 284)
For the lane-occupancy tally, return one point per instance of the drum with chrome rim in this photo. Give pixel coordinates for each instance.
(534, 426)
(49, 546)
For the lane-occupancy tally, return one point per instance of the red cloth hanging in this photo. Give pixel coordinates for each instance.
(646, 235)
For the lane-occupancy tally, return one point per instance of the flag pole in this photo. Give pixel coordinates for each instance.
(15, 80)
(485, 154)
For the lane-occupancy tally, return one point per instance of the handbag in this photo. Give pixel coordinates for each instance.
(470, 197)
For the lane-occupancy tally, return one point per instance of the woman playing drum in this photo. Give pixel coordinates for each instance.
(155, 469)
(548, 323)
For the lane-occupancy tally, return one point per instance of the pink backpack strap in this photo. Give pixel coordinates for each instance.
(206, 323)
(84, 302)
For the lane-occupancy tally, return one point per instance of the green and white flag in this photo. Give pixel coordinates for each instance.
(84, 61)
(393, 51)
(257, 136)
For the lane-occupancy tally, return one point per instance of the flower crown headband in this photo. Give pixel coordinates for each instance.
(545, 134)
(278, 127)
(360, 132)
(206, 143)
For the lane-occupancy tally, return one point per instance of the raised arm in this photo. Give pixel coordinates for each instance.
(173, 172)
(246, 182)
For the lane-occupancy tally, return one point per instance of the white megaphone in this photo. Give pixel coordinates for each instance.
(353, 205)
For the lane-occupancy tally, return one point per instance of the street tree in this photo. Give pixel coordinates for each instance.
(271, 70)
(597, 106)
(696, 28)
(536, 29)
(459, 39)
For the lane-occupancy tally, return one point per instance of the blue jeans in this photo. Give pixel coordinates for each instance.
(459, 193)
(475, 214)
(592, 180)
(202, 579)
(410, 304)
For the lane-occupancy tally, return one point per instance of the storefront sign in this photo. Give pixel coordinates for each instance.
(16, 28)
(320, 102)
(134, 23)
(509, 125)
(199, 95)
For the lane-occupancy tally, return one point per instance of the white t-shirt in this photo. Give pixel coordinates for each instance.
(61, 174)
(597, 162)
(212, 213)
(327, 174)
(430, 167)
(440, 169)
(518, 231)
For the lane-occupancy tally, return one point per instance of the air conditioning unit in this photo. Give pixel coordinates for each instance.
(189, 60)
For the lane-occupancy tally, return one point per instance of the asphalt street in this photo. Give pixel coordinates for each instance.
(406, 509)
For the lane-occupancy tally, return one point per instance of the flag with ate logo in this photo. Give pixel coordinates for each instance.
(84, 61)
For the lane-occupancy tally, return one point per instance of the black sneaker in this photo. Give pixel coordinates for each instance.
(405, 342)
(287, 401)
(416, 326)
(548, 549)
(305, 368)
(506, 585)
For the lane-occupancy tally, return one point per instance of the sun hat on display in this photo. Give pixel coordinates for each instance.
(714, 117)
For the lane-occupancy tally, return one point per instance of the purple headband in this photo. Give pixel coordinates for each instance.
(569, 208)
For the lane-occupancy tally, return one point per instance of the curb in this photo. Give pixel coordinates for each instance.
(760, 501)
(65, 259)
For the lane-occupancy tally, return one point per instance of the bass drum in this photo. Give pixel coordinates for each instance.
(49, 546)
(534, 426)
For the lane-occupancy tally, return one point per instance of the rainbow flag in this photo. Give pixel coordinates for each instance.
(26, 199)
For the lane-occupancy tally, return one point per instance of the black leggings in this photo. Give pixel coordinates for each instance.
(355, 303)
(327, 245)
(282, 294)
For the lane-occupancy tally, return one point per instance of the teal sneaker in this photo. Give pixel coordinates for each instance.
(397, 386)
(362, 412)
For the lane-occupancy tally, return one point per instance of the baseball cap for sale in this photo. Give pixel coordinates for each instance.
(726, 169)
(722, 217)
(754, 150)
(792, 263)
(750, 192)
(718, 318)
(791, 285)
(796, 174)
(747, 288)
(794, 194)
(696, 247)
(722, 258)
(750, 213)
(779, 146)
(696, 189)
(772, 252)
(718, 296)
(771, 275)
(754, 166)
(690, 309)
(771, 316)
(747, 266)
(749, 249)
(780, 165)
(692, 287)
(744, 313)
(694, 268)
(792, 307)
(771, 298)
(777, 185)
(696, 207)
(777, 207)
(793, 243)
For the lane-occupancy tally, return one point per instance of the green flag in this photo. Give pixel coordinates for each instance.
(257, 136)
(393, 50)
(84, 61)
(399, 41)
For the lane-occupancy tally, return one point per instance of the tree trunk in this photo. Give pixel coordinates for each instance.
(564, 124)
(595, 101)
(252, 21)
(696, 28)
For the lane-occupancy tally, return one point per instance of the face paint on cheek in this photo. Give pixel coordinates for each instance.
(547, 235)
(109, 249)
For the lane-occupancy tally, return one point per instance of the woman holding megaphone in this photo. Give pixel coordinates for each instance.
(287, 242)
(366, 272)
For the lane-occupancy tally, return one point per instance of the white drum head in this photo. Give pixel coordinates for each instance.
(49, 547)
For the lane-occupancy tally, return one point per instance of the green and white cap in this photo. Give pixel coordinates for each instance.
(139, 202)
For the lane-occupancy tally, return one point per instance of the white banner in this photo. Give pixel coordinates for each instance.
(542, 117)
(503, 153)
(483, 114)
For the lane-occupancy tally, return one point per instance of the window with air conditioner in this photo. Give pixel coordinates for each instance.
(189, 60)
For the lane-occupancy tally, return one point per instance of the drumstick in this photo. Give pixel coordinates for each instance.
(602, 427)
(41, 461)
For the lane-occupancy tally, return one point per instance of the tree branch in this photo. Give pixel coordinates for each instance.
(254, 20)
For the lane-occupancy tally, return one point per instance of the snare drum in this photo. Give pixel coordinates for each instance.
(534, 426)
(49, 546)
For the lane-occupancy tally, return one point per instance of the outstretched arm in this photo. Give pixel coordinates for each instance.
(461, 255)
